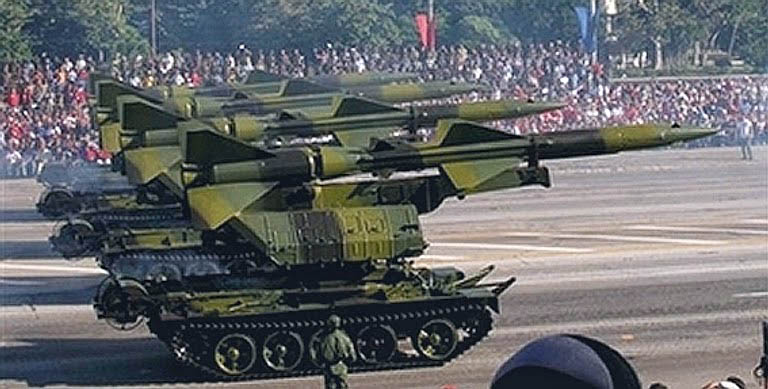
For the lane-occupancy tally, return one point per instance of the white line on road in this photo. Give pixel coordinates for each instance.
(519, 247)
(750, 295)
(637, 273)
(436, 257)
(644, 227)
(754, 221)
(644, 321)
(619, 238)
(45, 309)
(20, 282)
(72, 269)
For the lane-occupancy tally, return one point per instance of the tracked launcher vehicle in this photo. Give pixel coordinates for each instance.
(152, 158)
(283, 248)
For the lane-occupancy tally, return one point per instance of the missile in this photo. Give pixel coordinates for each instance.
(459, 147)
(225, 176)
(260, 82)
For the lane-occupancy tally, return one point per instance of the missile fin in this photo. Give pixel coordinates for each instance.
(212, 206)
(363, 138)
(460, 132)
(107, 92)
(355, 105)
(95, 77)
(292, 114)
(260, 76)
(146, 164)
(138, 114)
(208, 147)
(482, 176)
(303, 87)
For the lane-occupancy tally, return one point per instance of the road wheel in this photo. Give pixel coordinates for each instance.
(436, 340)
(283, 350)
(235, 354)
(376, 343)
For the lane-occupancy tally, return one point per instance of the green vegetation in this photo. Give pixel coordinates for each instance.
(673, 32)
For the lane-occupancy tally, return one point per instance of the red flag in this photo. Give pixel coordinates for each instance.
(433, 34)
(423, 28)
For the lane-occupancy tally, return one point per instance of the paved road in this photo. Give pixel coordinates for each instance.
(662, 254)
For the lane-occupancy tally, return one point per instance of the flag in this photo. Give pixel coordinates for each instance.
(427, 31)
(422, 26)
(588, 28)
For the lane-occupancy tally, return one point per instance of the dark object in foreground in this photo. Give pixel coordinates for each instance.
(566, 361)
(761, 371)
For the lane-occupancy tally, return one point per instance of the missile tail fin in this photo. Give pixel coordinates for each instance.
(260, 76)
(485, 175)
(303, 87)
(108, 90)
(353, 105)
(138, 114)
(460, 132)
(208, 147)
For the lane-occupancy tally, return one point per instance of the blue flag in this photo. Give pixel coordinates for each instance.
(588, 28)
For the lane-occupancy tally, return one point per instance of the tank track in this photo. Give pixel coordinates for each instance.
(187, 339)
(173, 265)
(137, 218)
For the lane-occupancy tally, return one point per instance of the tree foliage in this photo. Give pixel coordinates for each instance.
(69, 27)
(669, 28)
(15, 43)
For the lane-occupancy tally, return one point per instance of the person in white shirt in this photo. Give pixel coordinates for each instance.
(744, 129)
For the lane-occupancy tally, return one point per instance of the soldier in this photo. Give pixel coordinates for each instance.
(336, 350)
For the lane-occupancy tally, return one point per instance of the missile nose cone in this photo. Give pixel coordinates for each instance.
(544, 107)
(676, 133)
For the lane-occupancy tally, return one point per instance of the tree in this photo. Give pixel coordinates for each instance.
(670, 26)
(14, 41)
(82, 26)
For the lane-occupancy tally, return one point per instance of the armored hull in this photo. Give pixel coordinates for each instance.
(274, 331)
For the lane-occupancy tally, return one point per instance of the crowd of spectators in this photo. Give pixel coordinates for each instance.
(44, 114)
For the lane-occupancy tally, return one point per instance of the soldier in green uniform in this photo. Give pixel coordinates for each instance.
(336, 350)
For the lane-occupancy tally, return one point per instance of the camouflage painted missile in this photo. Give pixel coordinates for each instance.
(112, 122)
(260, 82)
(244, 182)
(319, 97)
(188, 106)
(354, 122)
(475, 158)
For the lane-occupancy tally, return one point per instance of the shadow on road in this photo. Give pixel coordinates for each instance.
(38, 249)
(92, 362)
(20, 215)
(48, 290)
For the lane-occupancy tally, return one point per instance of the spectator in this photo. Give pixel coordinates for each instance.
(44, 105)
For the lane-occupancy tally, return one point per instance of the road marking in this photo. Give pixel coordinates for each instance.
(643, 321)
(436, 257)
(519, 247)
(15, 343)
(644, 227)
(754, 221)
(45, 309)
(620, 238)
(636, 273)
(71, 269)
(20, 282)
(750, 295)
(31, 224)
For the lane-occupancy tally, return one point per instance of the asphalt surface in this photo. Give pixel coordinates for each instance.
(661, 254)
